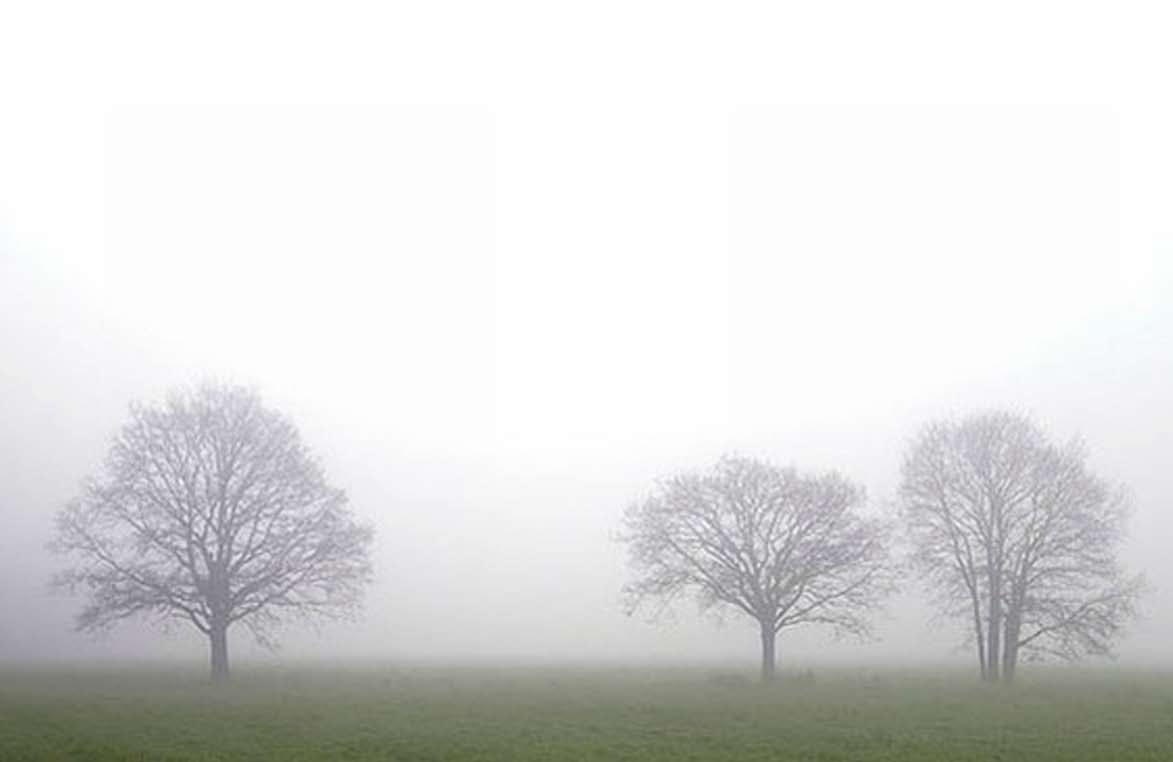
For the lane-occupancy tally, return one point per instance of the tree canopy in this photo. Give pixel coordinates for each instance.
(211, 510)
(1018, 537)
(779, 546)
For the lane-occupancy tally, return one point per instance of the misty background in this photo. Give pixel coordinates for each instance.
(497, 323)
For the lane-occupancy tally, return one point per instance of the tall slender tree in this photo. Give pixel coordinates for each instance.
(1019, 538)
(210, 510)
(781, 547)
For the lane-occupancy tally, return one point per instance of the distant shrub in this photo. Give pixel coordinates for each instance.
(728, 679)
(805, 677)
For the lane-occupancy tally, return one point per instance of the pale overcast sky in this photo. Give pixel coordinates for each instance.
(505, 264)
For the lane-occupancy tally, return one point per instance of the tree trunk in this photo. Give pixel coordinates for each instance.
(1010, 647)
(219, 638)
(979, 634)
(768, 638)
(994, 630)
(993, 647)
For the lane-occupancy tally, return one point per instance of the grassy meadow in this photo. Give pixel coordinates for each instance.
(531, 713)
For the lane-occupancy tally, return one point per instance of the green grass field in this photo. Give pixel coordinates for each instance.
(580, 714)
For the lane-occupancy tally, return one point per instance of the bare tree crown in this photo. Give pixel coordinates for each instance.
(782, 547)
(211, 510)
(1016, 535)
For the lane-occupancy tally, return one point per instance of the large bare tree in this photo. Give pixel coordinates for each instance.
(1018, 538)
(212, 511)
(779, 546)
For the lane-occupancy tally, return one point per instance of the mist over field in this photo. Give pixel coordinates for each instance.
(499, 319)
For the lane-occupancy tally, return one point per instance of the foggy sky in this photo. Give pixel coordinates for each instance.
(503, 280)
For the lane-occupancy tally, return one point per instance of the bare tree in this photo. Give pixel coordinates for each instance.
(212, 511)
(1019, 538)
(781, 547)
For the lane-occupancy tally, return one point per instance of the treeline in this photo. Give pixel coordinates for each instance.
(1012, 532)
(211, 510)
